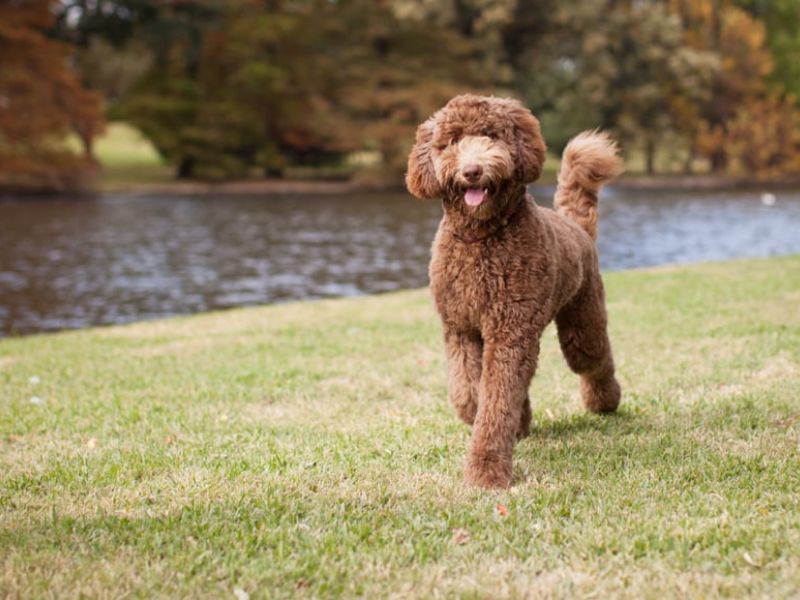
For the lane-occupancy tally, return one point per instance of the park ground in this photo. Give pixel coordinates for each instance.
(308, 450)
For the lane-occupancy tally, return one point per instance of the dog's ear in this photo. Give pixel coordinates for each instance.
(421, 177)
(530, 147)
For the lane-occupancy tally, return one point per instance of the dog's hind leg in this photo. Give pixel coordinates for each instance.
(524, 429)
(584, 341)
(463, 372)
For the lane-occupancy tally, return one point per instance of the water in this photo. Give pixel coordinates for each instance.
(67, 263)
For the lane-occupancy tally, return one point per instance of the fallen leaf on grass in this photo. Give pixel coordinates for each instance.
(301, 584)
(501, 510)
(749, 560)
(784, 423)
(460, 536)
(169, 440)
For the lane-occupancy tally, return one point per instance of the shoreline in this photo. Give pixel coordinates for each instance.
(671, 267)
(251, 188)
(339, 187)
(705, 182)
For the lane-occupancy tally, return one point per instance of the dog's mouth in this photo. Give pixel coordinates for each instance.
(476, 196)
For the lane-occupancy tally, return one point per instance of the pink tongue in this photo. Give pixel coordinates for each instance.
(474, 197)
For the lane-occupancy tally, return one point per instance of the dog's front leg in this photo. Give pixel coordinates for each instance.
(463, 372)
(508, 366)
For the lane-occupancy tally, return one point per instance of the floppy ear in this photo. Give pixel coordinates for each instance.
(421, 178)
(530, 146)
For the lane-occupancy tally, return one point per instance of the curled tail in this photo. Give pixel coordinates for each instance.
(589, 161)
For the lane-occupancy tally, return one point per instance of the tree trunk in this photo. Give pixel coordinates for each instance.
(716, 24)
(185, 168)
(687, 164)
(719, 161)
(86, 137)
(650, 156)
(88, 148)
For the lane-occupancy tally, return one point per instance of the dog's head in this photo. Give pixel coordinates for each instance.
(474, 151)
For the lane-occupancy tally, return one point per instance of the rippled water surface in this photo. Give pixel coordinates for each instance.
(68, 263)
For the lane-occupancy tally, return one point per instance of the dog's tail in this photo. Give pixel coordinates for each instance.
(589, 161)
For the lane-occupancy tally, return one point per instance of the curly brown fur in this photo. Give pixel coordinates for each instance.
(589, 160)
(503, 268)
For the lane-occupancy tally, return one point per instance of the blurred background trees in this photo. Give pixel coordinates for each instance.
(246, 88)
(41, 102)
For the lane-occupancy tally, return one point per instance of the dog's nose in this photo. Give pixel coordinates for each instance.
(472, 173)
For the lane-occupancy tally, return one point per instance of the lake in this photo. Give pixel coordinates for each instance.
(68, 263)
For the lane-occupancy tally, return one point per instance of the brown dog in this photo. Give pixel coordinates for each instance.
(503, 268)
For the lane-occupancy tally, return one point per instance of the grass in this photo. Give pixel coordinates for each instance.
(128, 158)
(308, 450)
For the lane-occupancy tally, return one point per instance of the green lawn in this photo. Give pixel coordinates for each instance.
(128, 158)
(308, 450)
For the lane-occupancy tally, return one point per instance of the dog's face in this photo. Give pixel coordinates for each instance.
(473, 152)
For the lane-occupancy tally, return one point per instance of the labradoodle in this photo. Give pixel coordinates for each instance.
(502, 267)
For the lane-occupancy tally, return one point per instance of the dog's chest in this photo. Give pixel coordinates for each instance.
(472, 284)
(459, 286)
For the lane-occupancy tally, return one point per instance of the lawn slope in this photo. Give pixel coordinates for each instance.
(308, 450)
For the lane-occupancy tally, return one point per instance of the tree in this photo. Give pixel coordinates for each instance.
(397, 70)
(782, 21)
(278, 84)
(241, 91)
(41, 102)
(746, 100)
(619, 65)
(113, 70)
(118, 41)
(763, 137)
(227, 89)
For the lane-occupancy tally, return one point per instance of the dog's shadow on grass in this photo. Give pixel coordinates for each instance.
(621, 422)
(559, 444)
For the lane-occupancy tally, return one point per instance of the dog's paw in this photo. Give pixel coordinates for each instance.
(490, 472)
(601, 396)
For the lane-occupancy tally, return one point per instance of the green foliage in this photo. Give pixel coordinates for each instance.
(113, 70)
(309, 85)
(782, 20)
(246, 87)
(626, 68)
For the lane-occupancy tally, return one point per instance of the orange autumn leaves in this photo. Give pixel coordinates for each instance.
(461, 536)
(41, 102)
